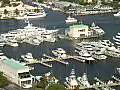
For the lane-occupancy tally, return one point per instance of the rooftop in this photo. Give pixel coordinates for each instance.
(14, 64)
(79, 26)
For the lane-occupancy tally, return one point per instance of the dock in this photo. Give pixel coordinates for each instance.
(116, 78)
(39, 62)
(57, 59)
(78, 59)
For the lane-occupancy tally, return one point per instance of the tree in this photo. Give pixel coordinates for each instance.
(3, 80)
(6, 1)
(40, 1)
(43, 83)
(56, 87)
(16, 11)
(5, 11)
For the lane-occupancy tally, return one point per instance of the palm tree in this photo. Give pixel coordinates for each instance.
(5, 12)
(16, 11)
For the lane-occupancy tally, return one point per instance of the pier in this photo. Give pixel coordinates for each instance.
(39, 62)
(116, 78)
(57, 59)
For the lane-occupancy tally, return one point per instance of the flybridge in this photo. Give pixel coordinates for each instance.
(28, 2)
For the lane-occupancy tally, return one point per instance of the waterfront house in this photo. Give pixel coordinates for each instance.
(10, 11)
(16, 73)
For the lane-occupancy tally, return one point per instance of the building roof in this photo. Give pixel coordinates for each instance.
(14, 64)
(79, 26)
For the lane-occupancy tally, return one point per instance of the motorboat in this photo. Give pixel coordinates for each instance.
(117, 14)
(28, 57)
(59, 52)
(71, 20)
(86, 56)
(71, 81)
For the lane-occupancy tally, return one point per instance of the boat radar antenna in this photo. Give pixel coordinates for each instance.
(72, 72)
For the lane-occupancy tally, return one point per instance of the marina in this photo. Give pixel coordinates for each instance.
(63, 64)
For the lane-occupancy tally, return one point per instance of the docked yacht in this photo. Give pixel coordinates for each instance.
(71, 81)
(117, 39)
(99, 30)
(117, 14)
(84, 55)
(31, 34)
(59, 52)
(12, 42)
(28, 57)
(99, 55)
(32, 15)
(84, 80)
(71, 20)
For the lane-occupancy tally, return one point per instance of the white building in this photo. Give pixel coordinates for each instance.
(77, 31)
(16, 73)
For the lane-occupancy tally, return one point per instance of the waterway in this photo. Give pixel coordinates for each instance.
(103, 69)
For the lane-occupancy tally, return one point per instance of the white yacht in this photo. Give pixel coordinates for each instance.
(84, 55)
(99, 30)
(99, 55)
(12, 42)
(59, 52)
(117, 39)
(84, 80)
(71, 81)
(71, 20)
(117, 14)
(28, 57)
(31, 34)
(31, 15)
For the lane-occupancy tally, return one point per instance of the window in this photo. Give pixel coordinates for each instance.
(82, 30)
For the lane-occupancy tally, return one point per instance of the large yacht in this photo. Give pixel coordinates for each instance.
(31, 34)
(71, 20)
(117, 14)
(71, 81)
(84, 80)
(31, 15)
(84, 55)
(59, 52)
